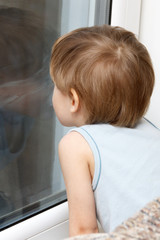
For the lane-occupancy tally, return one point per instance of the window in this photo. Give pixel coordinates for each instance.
(30, 178)
(30, 174)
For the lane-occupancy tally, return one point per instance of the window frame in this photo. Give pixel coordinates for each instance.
(38, 224)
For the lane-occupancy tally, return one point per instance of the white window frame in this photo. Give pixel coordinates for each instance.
(126, 14)
(53, 219)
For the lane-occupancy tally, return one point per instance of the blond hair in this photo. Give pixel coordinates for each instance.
(110, 70)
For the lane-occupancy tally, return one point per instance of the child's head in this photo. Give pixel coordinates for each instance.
(110, 70)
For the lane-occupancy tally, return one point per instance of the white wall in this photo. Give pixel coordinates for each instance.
(149, 34)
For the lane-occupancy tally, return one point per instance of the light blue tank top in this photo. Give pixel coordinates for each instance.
(127, 169)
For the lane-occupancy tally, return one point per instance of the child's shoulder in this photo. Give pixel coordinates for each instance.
(74, 144)
(75, 151)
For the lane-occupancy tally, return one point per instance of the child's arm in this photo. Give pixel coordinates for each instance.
(75, 158)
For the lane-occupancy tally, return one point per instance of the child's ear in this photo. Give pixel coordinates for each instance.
(75, 103)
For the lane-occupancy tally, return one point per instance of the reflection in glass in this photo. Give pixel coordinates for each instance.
(30, 178)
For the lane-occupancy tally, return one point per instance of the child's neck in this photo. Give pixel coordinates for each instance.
(80, 118)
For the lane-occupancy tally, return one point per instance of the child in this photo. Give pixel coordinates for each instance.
(103, 80)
